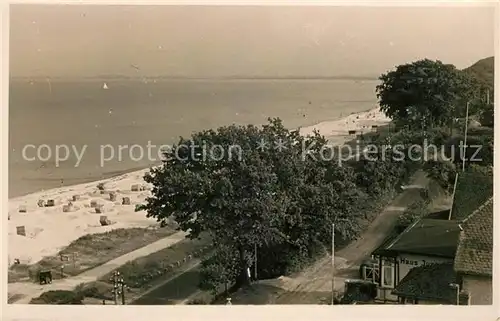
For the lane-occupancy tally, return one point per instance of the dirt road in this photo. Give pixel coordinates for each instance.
(314, 285)
(33, 290)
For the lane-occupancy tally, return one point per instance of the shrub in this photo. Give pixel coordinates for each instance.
(97, 290)
(59, 297)
(142, 271)
(441, 172)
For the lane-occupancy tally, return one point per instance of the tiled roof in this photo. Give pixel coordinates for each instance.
(428, 282)
(474, 188)
(426, 237)
(475, 248)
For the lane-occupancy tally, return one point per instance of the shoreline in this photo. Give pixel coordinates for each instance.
(50, 229)
(333, 119)
(304, 130)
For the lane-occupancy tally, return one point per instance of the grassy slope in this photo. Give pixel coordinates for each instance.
(92, 250)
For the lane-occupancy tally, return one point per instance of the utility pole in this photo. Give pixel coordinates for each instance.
(424, 128)
(333, 263)
(465, 139)
(255, 262)
(453, 196)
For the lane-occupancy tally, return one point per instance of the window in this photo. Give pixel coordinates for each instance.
(388, 276)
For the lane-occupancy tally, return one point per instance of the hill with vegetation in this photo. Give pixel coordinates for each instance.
(483, 70)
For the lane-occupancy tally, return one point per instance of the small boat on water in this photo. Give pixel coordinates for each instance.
(105, 86)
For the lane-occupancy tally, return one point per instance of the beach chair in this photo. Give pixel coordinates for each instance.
(21, 230)
(104, 220)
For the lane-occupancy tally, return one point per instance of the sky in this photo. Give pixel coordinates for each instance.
(215, 41)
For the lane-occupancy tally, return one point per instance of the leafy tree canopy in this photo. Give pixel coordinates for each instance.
(252, 192)
(425, 92)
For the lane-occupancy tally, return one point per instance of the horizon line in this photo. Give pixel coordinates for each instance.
(111, 76)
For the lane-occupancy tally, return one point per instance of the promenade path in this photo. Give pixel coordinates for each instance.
(30, 290)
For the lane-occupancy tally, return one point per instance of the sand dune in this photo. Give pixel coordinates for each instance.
(49, 229)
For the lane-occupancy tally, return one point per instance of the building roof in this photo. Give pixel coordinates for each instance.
(430, 237)
(474, 188)
(475, 248)
(428, 282)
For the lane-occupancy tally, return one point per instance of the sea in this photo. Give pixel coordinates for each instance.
(66, 132)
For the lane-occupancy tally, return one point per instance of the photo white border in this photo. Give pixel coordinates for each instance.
(241, 312)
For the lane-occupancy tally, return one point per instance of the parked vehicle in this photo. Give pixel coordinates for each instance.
(45, 277)
(359, 292)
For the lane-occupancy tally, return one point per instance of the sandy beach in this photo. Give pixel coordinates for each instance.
(49, 229)
(337, 131)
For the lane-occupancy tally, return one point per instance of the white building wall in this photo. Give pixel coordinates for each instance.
(479, 288)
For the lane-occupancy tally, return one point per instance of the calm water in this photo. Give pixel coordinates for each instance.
(135, 112)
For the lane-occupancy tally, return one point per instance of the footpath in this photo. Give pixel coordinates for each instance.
(27, 290)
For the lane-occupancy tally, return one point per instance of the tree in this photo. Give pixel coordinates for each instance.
(425, 93)
(479, 149)
(247, 195)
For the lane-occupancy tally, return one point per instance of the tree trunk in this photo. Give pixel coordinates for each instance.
(243, 279)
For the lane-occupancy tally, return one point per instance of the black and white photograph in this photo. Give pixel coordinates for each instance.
(250, 154)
